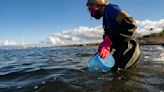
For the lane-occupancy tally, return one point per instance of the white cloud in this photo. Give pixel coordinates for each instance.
(76, 36)
(147, 26)
(88, 35)
(7, 43)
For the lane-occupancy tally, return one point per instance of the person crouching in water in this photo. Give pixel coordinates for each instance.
(119, 29)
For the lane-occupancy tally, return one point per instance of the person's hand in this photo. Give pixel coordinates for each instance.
(104, 47)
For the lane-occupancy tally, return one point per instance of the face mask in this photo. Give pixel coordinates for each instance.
(95, 12)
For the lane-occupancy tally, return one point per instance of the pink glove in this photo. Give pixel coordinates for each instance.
(104, 47)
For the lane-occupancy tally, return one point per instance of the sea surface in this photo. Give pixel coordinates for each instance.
(64, 69)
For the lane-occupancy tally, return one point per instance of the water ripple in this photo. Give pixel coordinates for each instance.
(64, 70)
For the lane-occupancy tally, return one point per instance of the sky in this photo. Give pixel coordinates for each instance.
(67, 21)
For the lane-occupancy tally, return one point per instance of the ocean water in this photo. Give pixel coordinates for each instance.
(64, 69)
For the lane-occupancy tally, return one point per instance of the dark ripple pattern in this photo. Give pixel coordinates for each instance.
(63, 69)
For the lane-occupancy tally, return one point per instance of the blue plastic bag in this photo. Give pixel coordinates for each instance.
(98, 64)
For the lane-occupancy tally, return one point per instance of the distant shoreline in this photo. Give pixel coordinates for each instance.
(151, 41)
(142, 41)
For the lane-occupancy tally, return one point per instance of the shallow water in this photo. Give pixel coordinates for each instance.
(64, 70)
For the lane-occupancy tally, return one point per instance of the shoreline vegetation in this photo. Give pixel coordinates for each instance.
(152, 39)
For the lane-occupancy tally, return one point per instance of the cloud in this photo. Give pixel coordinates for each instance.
(77, 36)
(147, 26)
(84, 34)
(7, 43)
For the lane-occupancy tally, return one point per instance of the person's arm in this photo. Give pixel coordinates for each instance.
(122, 15)
(126, 28)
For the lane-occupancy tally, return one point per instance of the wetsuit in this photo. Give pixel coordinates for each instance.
(124, 42)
